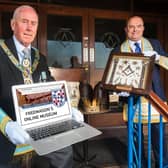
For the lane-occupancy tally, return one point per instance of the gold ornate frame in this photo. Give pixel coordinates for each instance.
(129, 72)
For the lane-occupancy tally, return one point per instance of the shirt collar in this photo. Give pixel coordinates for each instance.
(131, 43)
(19, 46)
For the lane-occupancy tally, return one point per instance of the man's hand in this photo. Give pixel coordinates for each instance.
(16, 134)
(77, 115)
(151, 53)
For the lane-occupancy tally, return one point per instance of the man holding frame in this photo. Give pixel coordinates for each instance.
(136, 43)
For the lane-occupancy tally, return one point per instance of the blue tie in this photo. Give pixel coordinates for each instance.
(137, 48)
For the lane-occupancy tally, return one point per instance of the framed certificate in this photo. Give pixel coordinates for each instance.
(129, 72)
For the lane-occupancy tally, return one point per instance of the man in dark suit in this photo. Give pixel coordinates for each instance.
(24, 25)
(134, 31)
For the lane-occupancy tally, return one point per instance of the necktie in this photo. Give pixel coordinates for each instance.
(27, 67)
(137, 48)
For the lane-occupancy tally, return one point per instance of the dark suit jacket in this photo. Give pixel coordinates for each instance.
(11, 75)
(156, 81)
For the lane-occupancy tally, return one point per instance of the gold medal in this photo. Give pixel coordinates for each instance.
(26, 62)
(26, 73)
(27, 81)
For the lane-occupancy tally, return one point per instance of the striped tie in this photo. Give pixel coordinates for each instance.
(27, 67)
(137, 48)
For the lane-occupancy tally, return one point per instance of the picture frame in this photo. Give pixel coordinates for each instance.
(130, 72)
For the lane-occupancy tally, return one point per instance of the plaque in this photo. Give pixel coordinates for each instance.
(129, 72)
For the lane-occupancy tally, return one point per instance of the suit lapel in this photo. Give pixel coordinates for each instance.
(10, 44)
(32, 55)
(15, 71)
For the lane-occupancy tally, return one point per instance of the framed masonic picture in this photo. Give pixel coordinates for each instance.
(129, 72)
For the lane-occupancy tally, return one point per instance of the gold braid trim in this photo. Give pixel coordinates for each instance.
(23, 149)
(146, 46)
(30, 151)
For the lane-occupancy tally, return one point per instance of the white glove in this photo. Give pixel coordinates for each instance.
(16, 134)
(77, 115)
(124, 94)
(151, 53)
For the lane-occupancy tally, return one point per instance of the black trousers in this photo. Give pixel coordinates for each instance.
(8, 166)
(59, 159)
(11, 165)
